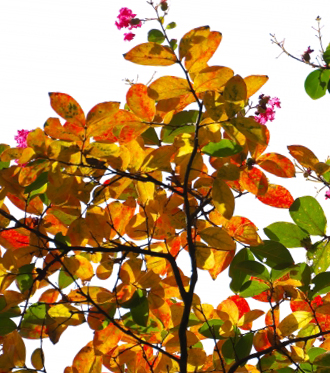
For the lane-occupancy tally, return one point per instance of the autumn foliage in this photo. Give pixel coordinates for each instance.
(121, 193)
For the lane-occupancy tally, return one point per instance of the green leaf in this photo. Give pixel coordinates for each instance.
(184, 117)
(288, 234)
(301, 272)
(326, 55)
(171, 25)
(319, 254)
(277, 255)
(45, 200)
(316, 83)
(223, 148)
(38, 186)
(239, 277)
(314, 352)
(321, 284)
(308, 214)
(243, 346)
(61, 239)
(228, 351)
(6, 326)
(277, 273)
(25, 278)
(3, 165)
(252, 288)
(168, 133)
(37, 314)
(150, 137)
(322, 360)
(174, 44)
(64, 279)
(211, 328)
(12, 312)
(140, 313)
(253, 268)
(156, 36)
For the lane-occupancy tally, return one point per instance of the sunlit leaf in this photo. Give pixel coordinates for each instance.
(67, 107)
(276, 196)
(151, 54)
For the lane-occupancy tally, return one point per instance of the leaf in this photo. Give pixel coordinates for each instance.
(253, 131)
(223, 148)
(254, 269)
(276, 164)
(235, 95)
(54, 129)
(212, 78)
(151, 54)
(239, 277)
(38, 359)
(140, 102)
(316, 83)
(99, 118)
(106, 339)
(25, 277)
(319, 254)
(6, 326)
(254, 181)
(254, 83)
(218, 238)
(288, 234)
(276, 254)
(3, 165)
(303, 155)
(321, 284)
(38, 186)
(65, 313)
(308, 214)
(276, 196)
(252, 288)
(79, 266)
(86, 361)
(322, 360)
(168, 87)
(293, 322)
(140, 312)
(67, 108)
(156, 36)
(170, 26)
(210, 329)
(223, 198)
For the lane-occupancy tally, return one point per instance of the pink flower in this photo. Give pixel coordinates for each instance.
(327, 194)
(21, 138)
(129, 36)
(265, 110)
(125, 17)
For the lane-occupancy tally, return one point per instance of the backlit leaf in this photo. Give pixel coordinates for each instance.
(168, 87)
(151, 54)
(223, 148)
(276, 196)
(140, 102)
(218, 238)
(254, 83)
(254, 181)
(212, 78)
(67, 107)
(223, 198)
(294, 321)
(276, 164)
(276, 254)
(303, 155)
(288, 234)
(316, 83)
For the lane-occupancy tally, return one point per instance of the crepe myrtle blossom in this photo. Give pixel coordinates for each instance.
(265, 110)
(21, 138)
(327, 194)
(306, 56)
(126, 19)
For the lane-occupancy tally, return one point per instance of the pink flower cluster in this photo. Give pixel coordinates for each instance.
(265, 110)
(21, 138)
(327, 194)
(126, 19)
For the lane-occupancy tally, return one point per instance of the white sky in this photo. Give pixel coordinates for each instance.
(72, 46)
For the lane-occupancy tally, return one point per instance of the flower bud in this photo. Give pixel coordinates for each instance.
(135, 21)
(164, 6)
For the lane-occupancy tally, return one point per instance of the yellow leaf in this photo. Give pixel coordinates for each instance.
(65, 313)
(235, 95)
(159, 159)
(196, 359)
(250, 316)
(86, 361)
(218, 238)
(106, 339)
(79, 232)
(252, 130)
(99, 118)
(223, 198)
(212, 78)
(151, 54)
(67, 107)
(204, 257)
(293, 322)
(228, 310)
(254, 83)
(168, 87)
(303, 155)
(38, 358)
(79, 266)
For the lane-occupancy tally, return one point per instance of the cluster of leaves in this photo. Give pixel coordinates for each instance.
(317, 82)
(120, 194)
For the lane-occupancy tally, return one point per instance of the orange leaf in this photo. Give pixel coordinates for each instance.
(106, 339)
(254, 83)
(79, 266)
(243, 230)
(54, 129)
(151, 54)
(140, 102)
(254, 181)
(86, 361)
(276, 196)
(303, 155)
(255, 148)
(261, 341)
(276, 164)
(12, 239)
(38, 359)
(67, 108)
(212, 78)
(222, 259)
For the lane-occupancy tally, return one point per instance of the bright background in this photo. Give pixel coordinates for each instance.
(73, 46)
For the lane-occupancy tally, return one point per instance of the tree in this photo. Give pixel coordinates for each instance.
(122, 193)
